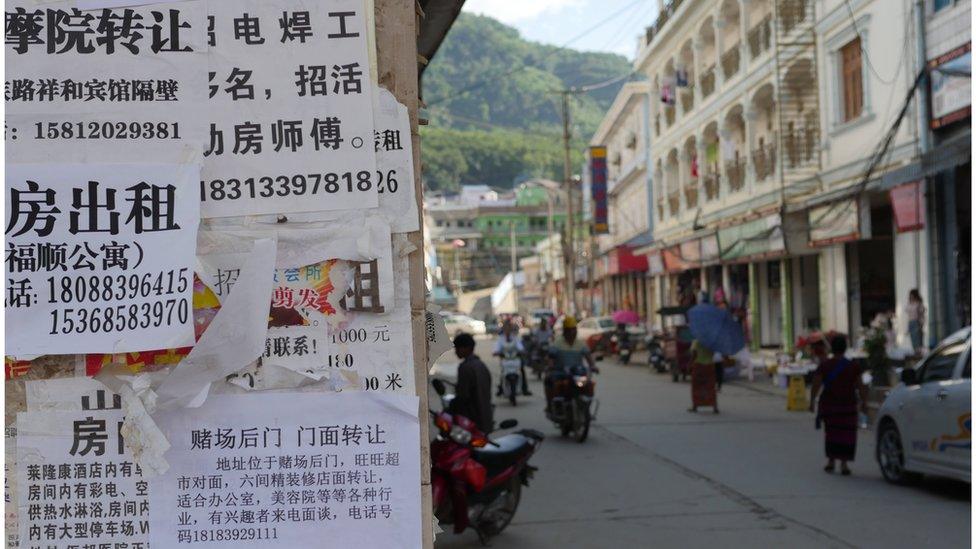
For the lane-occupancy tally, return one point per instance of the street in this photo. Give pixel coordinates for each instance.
(652, 474)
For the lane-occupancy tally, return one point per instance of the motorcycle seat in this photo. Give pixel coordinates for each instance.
(496, 458)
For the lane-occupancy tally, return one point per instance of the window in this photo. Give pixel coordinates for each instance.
(852, 80)
(940, 366)
(939, 4)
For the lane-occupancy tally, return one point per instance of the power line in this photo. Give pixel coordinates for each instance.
(554, 51)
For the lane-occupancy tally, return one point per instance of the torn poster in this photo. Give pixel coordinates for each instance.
(285, 469)
(78, 461)
(99, 257)
(290, 103)
(108, 86)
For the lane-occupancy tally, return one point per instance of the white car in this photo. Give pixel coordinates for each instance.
(456, 324)
(924, 425)
(597, 325)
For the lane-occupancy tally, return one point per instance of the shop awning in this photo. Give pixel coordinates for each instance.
(834, 222)
(710, 252)
(755, 239)
(675, 261)
(621, 260)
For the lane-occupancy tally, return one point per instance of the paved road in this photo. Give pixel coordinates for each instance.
(654, 475)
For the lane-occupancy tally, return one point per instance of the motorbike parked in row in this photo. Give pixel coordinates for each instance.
(476, 481)
(572, 406)
(655, 353)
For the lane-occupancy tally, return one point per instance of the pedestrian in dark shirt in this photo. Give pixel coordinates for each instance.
(472, 399)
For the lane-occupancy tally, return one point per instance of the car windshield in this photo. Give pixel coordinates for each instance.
(606, 323)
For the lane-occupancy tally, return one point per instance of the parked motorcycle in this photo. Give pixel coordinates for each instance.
(477, 482)
(655, 354)
(572, 407)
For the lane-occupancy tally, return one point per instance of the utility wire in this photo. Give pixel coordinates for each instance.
(554, 51)
(864, 50)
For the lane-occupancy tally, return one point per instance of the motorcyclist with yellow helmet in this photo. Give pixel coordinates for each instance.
(567, 355)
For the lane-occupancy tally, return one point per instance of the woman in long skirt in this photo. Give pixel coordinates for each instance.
(702, 378)
(837, 383)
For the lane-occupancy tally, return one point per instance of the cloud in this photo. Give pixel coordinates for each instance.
(517, 11)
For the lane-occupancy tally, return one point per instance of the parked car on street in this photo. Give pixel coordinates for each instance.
(924, 425)
(456, 324)
(594, 329)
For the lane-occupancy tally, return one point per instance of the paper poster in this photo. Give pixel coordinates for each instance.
(77, 483)
(106, 85)
(282, 470)
(290, 109)
(99, 257)
(11, 533)
(394, 168)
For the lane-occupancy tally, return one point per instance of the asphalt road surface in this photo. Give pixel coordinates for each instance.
(651, 474)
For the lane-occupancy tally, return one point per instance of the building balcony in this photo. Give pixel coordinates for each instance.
(707, 81)
(791, 13)
(660, 208)
(674, 202)
(760, 37)
(687, 99)
(691, 193)
(711, 185)
(764, 161)
(735, 171)
(800, 146)
(730, 61)
(669, 115)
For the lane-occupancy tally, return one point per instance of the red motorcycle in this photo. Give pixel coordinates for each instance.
(476, 481)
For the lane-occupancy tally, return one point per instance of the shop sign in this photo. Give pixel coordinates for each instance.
(908, 204)
(655, 263)
(834, 223)
(761, 237)
(951, 86)
(598, 188)
(709, 249)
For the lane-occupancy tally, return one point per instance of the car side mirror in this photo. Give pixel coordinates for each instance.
(508, 424)
(439, 387)
(909, 376)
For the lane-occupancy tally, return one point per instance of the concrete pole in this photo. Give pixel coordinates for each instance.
(570, 246)
(754, 316)
(514, 263)
(786, 291)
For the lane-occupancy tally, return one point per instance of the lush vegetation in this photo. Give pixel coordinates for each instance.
(494, 118)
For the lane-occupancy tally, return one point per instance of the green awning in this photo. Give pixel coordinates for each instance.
(761, 237)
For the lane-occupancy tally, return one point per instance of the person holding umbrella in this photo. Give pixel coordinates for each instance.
(715, 331)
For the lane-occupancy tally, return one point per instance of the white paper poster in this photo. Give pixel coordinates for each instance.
(291, 108)
(107, 86)
(99, 257)
(290, 470)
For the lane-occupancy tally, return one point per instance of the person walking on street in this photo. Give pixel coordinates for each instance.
(916, 320)
(702, 377)
(838, 393)
(509, 341)
(472, 397)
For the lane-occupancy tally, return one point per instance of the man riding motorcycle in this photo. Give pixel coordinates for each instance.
(567, 355)
(509, 343)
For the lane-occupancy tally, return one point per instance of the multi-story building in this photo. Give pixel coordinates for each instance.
(782, 142)
(475, 232)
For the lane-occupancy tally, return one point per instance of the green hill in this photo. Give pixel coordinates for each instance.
(493, 116)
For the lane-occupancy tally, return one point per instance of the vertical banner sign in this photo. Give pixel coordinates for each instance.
(103, 85)
(99, 257)
(598, 185)
(291, 109)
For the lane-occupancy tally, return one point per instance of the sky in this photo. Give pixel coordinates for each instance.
(558, 21)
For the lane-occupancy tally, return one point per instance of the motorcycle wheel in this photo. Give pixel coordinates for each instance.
(581, 423)
(566, 427)
(500, 512)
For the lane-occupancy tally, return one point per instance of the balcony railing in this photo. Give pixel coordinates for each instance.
(735, 171)
(662, 19)
(691, 193)
(674, 202)
(764, 160)
(730, 61)
(800, 145)
(687, 99)
(707, 81)
(660, 208)
(760, 37)
(669, 115)
(711, 184)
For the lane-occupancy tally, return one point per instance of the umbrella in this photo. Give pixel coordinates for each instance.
(626, 317)
(716, 329)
